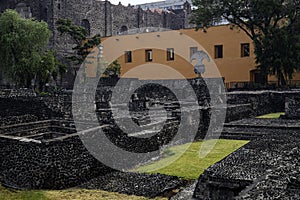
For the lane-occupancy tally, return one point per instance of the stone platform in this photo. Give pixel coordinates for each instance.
(266, 168)
(46, 154)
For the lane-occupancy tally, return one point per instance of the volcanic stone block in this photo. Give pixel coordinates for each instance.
(292, 108)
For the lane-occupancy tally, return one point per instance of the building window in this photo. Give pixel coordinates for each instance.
(86, 24)
(245, 50)
(193, 50)
(170, 54)
(218, 51)
(128, 57)
(58, 6)
(149, 56)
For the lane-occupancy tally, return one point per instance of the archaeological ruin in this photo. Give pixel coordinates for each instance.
(43, 136)
(41, 148)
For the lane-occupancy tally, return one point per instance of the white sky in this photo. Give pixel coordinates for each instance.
(132, 2)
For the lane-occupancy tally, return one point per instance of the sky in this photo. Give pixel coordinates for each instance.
(132, 2)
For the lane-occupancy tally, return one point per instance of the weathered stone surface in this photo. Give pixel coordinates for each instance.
(186, 193)
(265, 168)
(30, 163)
(240, 111)
(292, 108)
(149, 185)
(262, 102)
(100, 17)
(25, 109)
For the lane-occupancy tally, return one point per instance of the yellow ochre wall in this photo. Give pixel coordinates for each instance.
(233, 67)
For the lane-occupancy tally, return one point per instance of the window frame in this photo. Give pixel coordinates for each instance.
(219, 51)
(243, 52)
(128, 56)
(170, 54)
(147, 58)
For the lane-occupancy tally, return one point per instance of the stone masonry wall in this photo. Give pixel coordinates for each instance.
(262, 102)
(47, 165)
(292, 108)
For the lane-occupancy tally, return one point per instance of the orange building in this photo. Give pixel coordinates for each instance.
(151, 55)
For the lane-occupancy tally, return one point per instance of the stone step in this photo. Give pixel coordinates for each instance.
(279, 126)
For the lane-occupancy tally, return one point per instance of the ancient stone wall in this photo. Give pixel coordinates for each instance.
(265, 168)
(292, 108)
(237, 112)
(102, 17)
(48, 165)
(262, 102)
(28, 109)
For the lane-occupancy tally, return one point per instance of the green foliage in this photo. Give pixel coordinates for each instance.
(23, 48)
(60, 69)
(189, 165)
(79, 35)
(113, 70)
(273, 25)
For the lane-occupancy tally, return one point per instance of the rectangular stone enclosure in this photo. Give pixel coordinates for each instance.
(45, 155)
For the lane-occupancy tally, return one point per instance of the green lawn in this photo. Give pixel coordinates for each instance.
(189, 166)
(271, 116)
(7, 194)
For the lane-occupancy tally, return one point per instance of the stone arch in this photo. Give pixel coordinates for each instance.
(86, 24)
(123, 29)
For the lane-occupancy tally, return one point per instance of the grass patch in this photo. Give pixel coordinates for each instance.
(91, 195)
(8, 194)
(271, 116)
(189, 166)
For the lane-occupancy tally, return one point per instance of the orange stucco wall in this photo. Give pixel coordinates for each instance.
(233, 67)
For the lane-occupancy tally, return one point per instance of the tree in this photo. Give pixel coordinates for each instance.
(113, 70)
(23, 52)
(60, 70)
(273, 25)
(79, 36)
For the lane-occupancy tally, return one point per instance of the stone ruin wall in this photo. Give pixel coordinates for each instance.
(262, 102)
(46, 171)
(102, 17)
(57, 164)
(292, 107)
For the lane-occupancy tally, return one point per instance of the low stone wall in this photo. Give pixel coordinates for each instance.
(262, 102)
(13, 93)
(16, 110)
(47, 165)
(240, 111)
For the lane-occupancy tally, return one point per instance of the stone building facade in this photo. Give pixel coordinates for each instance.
(99, 17)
